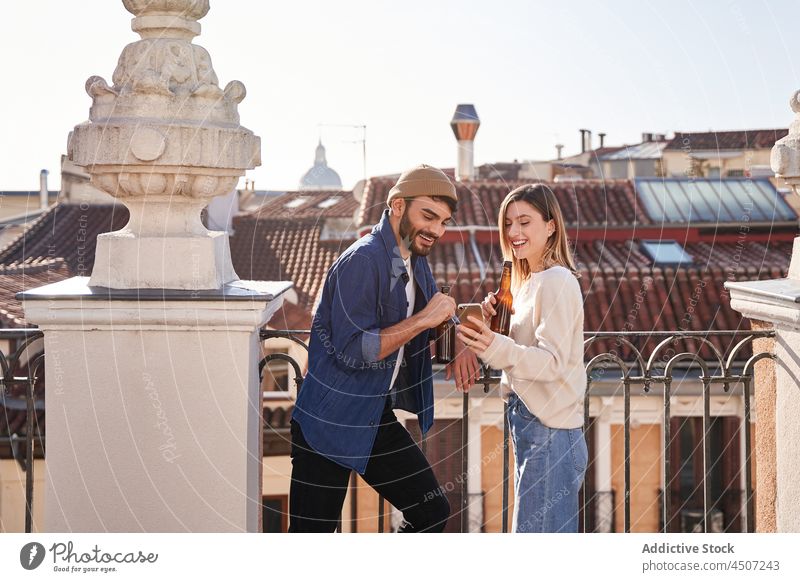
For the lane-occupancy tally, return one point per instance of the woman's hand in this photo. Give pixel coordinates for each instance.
(487, 306)
(476, 341)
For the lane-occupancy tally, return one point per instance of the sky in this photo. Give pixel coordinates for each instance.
(536, 72)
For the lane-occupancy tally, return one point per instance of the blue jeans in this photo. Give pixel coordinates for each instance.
(550, 465)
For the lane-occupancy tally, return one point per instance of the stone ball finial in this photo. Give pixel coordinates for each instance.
(235, 91)
(794, 102)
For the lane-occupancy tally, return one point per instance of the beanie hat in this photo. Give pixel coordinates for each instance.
(423, 180)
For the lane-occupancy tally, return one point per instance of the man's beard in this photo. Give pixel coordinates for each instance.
(409, 233)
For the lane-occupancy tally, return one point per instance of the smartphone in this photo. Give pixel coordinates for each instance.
(467, 309)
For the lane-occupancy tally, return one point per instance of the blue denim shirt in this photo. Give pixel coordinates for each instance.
(343, 395)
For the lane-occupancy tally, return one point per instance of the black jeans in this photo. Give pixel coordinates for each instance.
(396, 469)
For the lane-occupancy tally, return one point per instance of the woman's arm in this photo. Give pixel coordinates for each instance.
(561, 314)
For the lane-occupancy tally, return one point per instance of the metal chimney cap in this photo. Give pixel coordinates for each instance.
(465, 122)
(465, 112)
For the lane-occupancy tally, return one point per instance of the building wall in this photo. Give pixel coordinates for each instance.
(367, 509)
(492, 479)
(645, 476)
(12, 496)
(677, 163)
(76, 186)
(16, 204)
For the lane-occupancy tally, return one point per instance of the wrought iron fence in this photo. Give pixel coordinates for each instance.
(22, 402)
(644, 360)
(22, 389)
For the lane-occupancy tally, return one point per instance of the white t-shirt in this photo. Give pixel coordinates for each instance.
(410, 296)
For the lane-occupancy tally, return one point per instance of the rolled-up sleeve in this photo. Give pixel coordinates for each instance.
(355, 330)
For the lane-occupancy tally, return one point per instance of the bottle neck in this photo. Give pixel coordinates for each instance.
(505, 280)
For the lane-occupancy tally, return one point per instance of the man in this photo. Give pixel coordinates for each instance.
(369, 352)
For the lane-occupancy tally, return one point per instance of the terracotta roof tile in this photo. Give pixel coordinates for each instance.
(584, 202)
(307, 204)
(68, 231)
(285, 250)
(18, 277)
(726, 140)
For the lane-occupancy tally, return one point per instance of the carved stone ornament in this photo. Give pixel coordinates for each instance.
(164, 139)
(785, 157)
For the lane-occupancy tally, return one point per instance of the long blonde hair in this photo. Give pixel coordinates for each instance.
(556, 251)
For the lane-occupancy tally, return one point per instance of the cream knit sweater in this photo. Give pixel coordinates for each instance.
(542, 359)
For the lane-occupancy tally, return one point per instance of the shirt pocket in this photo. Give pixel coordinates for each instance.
(389, 313)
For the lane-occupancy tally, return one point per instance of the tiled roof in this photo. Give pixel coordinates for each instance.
(68, 231)
(284, 250)
(647, 150)
(21, 277)
(308, 204)
(726, 140)
(613, 273)
(622, 288)
(265, 247)
(602, 203)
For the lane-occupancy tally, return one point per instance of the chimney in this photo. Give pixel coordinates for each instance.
(559, 147)
(44, 195)
(647, 137)
(465, 124)
(602, 139)
(583, 139)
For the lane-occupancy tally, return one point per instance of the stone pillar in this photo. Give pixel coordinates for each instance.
(765, 454)
(777, 302)
(153, 399)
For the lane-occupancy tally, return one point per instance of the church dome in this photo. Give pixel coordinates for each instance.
(320, 176)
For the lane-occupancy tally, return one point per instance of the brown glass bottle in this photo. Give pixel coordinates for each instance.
(501, 321)
(445, 337)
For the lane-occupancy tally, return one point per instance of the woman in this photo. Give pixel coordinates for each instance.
(544, 378)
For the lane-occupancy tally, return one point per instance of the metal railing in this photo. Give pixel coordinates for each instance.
(728, 367)
(21, 389)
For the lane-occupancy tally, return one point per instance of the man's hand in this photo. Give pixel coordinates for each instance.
(465, 368)
(440, 308)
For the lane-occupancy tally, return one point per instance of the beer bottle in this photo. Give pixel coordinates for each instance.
(445, 337)
(501, 321)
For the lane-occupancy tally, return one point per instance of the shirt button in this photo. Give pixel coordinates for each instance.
(372, 423)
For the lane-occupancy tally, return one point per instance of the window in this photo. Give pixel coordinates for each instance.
(724, 474)
(275, 373)
(297, 202)
(274, 513)
(332, 201)
(666, 252)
